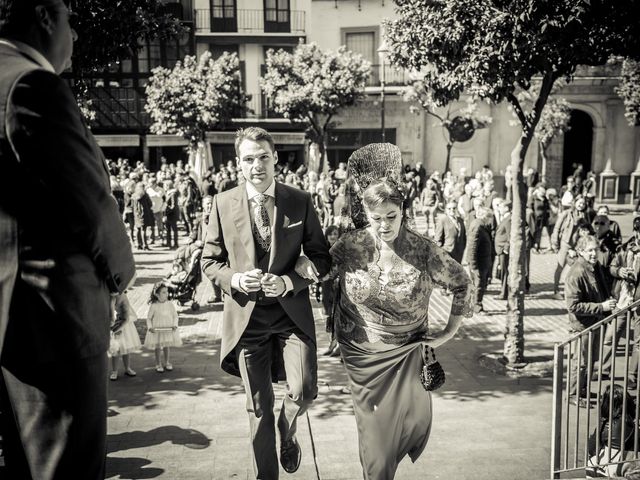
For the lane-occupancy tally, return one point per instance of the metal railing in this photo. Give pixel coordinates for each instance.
(392, 76)
(225, 19)
(577, 443)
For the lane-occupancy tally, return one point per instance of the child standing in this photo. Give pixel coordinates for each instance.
(162, 326)
(124, 336)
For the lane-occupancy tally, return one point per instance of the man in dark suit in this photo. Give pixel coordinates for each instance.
(479, 253)
(197, 235)
(56, 204)
(450, 232)
(502, 242)
(254, 237)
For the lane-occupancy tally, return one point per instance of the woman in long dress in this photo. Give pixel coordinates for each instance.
(387, 273)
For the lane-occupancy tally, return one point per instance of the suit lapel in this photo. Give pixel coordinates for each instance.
(243, 222)
(280, 211)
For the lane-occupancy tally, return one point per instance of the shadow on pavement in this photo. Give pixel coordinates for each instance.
(132, 467)
(187, 437)
(196, 370)
(467, 380)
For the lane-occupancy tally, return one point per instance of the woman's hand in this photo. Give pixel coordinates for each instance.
(446, 334)
(306, 269)
(152, 330)
(438, 339)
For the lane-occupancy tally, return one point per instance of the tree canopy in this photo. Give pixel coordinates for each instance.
(629, 90)
(110, 30)
(310, 85)
(493, 50)
(195, 96)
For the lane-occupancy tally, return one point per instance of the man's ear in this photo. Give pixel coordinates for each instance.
(238, 162)
(275, 158)
(44, 19)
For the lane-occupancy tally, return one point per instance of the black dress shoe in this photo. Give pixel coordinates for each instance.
(290, 455)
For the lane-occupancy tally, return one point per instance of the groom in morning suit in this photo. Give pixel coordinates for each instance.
(254, 237)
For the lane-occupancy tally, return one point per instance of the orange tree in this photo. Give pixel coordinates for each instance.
(495, 48)
(310, 86)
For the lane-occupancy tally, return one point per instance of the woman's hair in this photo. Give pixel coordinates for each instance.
(382, 191)
(618, 397)
(153, 298)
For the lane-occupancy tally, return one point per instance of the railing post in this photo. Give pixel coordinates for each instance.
(556, 414)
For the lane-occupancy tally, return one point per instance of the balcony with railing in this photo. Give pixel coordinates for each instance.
(225, 20)
(392, 77)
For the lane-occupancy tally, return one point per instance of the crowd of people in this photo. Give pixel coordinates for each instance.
(466, 215)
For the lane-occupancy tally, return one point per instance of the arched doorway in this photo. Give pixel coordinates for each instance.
(578, 144)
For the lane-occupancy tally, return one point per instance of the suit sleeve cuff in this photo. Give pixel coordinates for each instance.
(235, 282)
(288, 284)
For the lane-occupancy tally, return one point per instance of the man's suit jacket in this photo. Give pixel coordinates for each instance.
(55, 191)
(452, 239)
(503, 235)
(479, 246)
(229, 248)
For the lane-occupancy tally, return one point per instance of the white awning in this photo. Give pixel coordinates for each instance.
(166, 141)
(118, 140)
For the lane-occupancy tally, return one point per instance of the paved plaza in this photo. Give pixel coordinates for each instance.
(191, 423)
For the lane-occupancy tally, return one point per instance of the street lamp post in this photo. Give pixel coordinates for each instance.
(382, 53)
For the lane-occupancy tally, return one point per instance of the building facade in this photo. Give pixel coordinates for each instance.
(600, 138)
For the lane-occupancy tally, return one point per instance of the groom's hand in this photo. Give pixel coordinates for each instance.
(272, 285)
(250, 281)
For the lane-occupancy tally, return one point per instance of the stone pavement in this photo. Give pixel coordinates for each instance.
(191, 423)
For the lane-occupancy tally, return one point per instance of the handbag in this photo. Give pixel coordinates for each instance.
(432, 375)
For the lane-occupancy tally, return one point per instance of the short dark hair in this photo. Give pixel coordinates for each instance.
(18, 15)
(383, 191)
(256, 134)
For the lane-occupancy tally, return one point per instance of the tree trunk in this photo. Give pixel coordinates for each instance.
(542, 160)
(446, 163)
(514, 328)
(518, 252)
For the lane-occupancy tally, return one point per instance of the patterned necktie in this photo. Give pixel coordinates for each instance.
(261, 226)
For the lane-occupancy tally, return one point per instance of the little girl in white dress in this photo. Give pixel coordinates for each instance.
(162, 326)
(124, 336)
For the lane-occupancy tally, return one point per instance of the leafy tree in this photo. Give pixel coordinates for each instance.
(110, 31)
(195, 96)
(493, 49)
(457, 127)
(629, 90)
(310, 86)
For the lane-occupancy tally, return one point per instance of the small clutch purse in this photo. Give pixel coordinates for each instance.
(432, 375)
